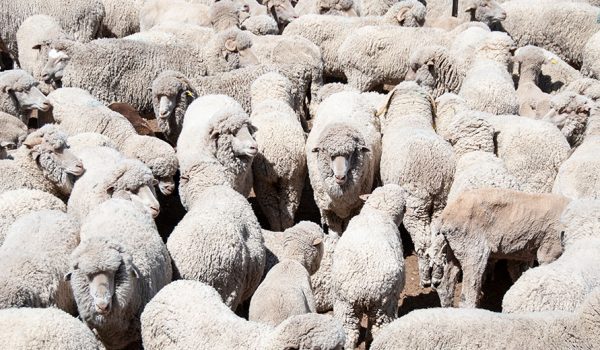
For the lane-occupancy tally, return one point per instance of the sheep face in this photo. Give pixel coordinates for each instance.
(30, 97)
(234, 141)
(102, 278)
(308, 331)
(486, 11)
(282, 11)
(54, 68)
(236, 49)
(133, 181)
(243, 143)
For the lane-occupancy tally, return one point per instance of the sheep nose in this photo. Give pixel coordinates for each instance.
(103, 307)
(154, 210)
(164, 114)
(340, 179)
(45, 106)
(252, 150)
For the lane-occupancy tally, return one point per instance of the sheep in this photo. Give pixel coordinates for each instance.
(80, 18)
(417, 159)
(226, 227)
(34, 259)
(154, 12)
(282, 11)
(160, 157)
(12, 134)
(279, 167)
(532, 101)
(120, 264)
(141, 126)
(32, 33)
(532, 150)
(109, 175)
(486, 11)
(329, 32)
(470, 329)
(436, 70)
(286, 289)
(368, 264)
(19, 94)
(173, 92)
(563, 284)
(43, 162)
(561, 27)
(121, 18)
(37, 329)
(16, 203)
(487, 85)
(217, 126)
(448, 106)
(191, 315)
(469, 131)
(342, 153)
(260, 25)
(499, 223)
(73, 64)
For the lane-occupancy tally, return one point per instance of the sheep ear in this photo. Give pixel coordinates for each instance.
(429, 63)
(214, 135)
(562, 238)
(364, 197)
(386, 105)
(317, 241)
(401, 15)
(110, 190)
(231, 45)
(135, 271)
(67, 276)
(315, 150)
(365, 149)
(37, 47)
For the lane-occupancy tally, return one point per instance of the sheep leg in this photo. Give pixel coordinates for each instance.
(473, 267)
(417, 221)
(447, 285)
(384, 315)
(350, 320)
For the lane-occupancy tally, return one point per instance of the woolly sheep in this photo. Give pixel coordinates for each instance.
(12, 134)
(469, 329)
(448, 106)
(191, 315)
(499, 223)
(282, 11)
(19, 94)
(43, 162)
(561, 27)
(436, 70)
(160, 157)
(37, 329)
(121, 18)
(532, 101)
(219, 240)
(81, 18)
(329, 32)
(417, 159)
(466, 42)
(469, 131)
(342, 153)
(532, 150)
(34, 259)
(16, 203)
(75, 64)
(486, 11)
(216, 126)
(286, 289)
(120, 264)
(109, 175)
(368, 264)
(279, 168)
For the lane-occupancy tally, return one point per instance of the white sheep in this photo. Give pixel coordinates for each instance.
(121, 18)
(191, 315)
(471, 329)
(497, 223)
(437, 70)
(342, 153)
(532, 101)
(570, 112)
(279, 167)
(120, 264)
(286, 289)
(43, 162)
(417, 159)
(326, 7)
(19, 94)
(260, 25)
(34, 259)
(368, 264)
(219, 240)
(12, 134)
(38, 329)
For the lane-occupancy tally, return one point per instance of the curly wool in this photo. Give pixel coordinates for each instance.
(437, 70)
(260, 25)
(224, 15)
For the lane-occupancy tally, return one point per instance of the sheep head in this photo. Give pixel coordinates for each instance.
(48, 148)
(406, 13)
(340, 152)
(304, 243)
(58, 59)
(228, 50)
(102, 278)
(570, 111)
(225, 15)
(171, 90)
(486, 11)
(282, 11)
(232, 140)
(22, 88)
(308, 331)
(497, 47)
(389, 199)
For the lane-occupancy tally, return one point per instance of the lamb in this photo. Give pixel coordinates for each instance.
(121, 18)
(532, 101)
(12, 134)
(43, 162)
(286, 290)
(561, 27)
(19, 94)
(532, 150)
(109, 175)
(564, 284)
(486, 11)
(81, 18)
(34, 259)
(469, 329)
(160, 157)
(116, 271)
(330, 32)
(216, 126)
(73, 64)
(219, 221)
(279, 168)
(417, 159)
(368, 264)
(16, 203)
(37, 329)
(191, 315)
(498, 223)
(342, 153)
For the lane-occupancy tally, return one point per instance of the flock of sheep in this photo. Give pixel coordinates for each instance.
(479, 134)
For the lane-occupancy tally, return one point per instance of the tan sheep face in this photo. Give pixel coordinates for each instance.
(340, 166)
(54, 69)
(32, 98)
(166, 185)
(486, 11)
(166, 106)
(282, 11)
(243, 143)
(102, 289)
(143, 196)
